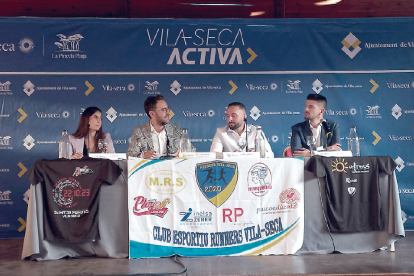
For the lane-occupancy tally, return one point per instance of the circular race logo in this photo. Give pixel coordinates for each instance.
(65, 190)
(259, 179)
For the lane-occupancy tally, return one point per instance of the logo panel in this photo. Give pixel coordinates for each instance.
(165, 182)
(217, 180)
(351, 42)
(259, 179)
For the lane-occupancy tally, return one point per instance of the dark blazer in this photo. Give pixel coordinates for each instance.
(301, 130)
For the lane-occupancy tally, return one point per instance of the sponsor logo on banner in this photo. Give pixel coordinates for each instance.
(111, 114)
(293, 86)
(217, 180)
(346, 86)
(5, 88)
(256, 87)
(330, 112)
(403, 216)
(151, 88)
(5, 197)
(108, 87)
(5, 142)
(69, 47)
(165, 182)
(372, 112)
(209, 113)
(196, 217)
(81, 171)
(400, 164)
(317, 86)
(406, 191)
(152, 207)
(396, 138)
(255, 113)
(202, 45)
(29, 142)
(7, 47)
(65, 194)
(392, 85)
(259, 180)
(351, 45)
(26, 45)
(120, 141)
(43, 115)
(289, 199)
(175, 87)
(397, 111)
(28, 88)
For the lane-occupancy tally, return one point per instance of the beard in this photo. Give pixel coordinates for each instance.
(235, 126)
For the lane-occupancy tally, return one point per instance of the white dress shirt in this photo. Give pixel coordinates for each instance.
(159, 140)
(316, 131)
(226, 140)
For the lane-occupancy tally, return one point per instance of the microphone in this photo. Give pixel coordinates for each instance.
(247, 141)
(89, 141)
(326, 127)
(327, 132)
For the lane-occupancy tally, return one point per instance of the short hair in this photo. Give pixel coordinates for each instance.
(151, 102)
(321, 100)
(240, 105)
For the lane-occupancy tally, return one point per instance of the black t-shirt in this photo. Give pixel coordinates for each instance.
(352, 192)
(70, 190)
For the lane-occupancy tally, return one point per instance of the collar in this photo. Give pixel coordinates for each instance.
(312, 127)
(153, 129)
(244, 131)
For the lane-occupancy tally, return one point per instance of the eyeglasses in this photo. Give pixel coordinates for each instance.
(165, 109)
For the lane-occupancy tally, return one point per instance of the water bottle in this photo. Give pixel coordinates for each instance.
(64, 145)
(259, 142)
(185, 141)
(353, 142)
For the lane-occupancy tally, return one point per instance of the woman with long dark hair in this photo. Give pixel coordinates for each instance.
(88, 134)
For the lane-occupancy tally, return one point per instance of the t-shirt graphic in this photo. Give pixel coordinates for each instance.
(353, 197)
(70, 191)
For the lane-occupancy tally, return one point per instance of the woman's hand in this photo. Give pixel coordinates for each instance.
(77, 155)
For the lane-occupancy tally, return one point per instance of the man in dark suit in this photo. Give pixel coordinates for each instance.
(326, 132)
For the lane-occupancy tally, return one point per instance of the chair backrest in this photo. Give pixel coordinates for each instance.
(287, 152)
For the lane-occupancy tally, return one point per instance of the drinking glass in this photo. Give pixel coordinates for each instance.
(311, 142)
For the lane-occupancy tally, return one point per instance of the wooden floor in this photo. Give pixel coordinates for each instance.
(381, 262)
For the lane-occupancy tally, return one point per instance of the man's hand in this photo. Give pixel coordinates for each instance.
(151, 154)
(336, 147)
(302, 153)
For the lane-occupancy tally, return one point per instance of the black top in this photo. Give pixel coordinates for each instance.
(353, 195)
(70, 191)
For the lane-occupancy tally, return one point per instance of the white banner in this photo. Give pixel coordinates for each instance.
(207, 207)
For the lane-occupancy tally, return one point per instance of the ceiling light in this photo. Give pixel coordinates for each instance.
(257, 13)
(327, 2)
(216, 4)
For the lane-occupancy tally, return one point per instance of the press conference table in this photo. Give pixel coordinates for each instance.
(113, 223)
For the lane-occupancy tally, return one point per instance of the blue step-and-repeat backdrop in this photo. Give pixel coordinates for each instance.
(51, 69)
